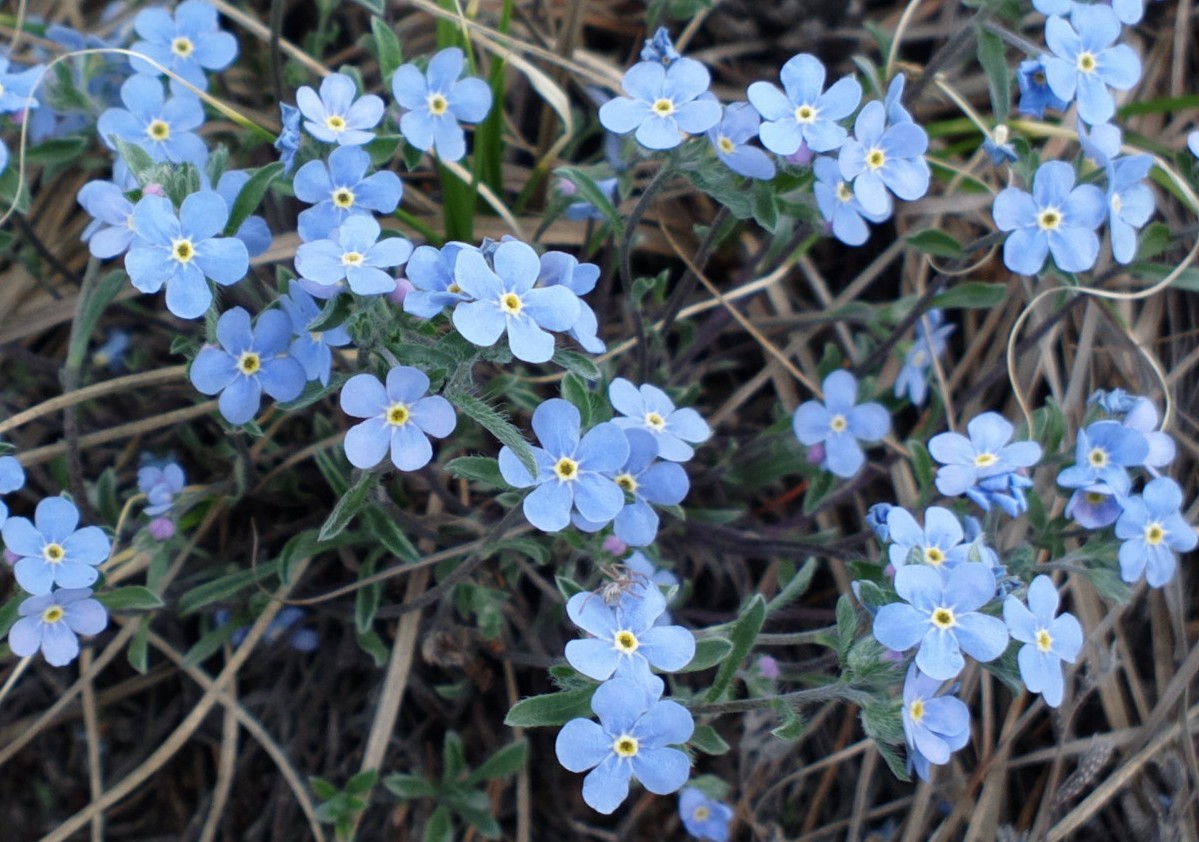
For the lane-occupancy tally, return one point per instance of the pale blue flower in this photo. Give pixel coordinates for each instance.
(939, 543)
(580, 211)
(342, 189)
(1142, 416)
(187, 43)
(806, 113)
(431, 272)
(986, 453)
(1153, 530)
(879, 158)
(434, 102)
(1057, 218)
(662, 102)
(893, 102)
(161, 485)
(336, 116)
(312, 349)
(912, 379)
(1103, 452)
(839, 206)
(561, 269)
(1035, 93)
(839, 423)
(400, 419)
(51, 551)
(730, 140)
(110, 232)
(163, 127)
(51, 622)
(648, 408)
(660, 48)
(1093, 507)
(1193, 143)
(352, 257)
(625, 639)
(704, 817)
(933, 726)
(288, 141)
(1129, 203)
(16, 85)
(1048, 640)
(12, 478)
(1084, 63)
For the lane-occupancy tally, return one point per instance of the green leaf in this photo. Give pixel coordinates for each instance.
(882, 722)
(937, 243)
(101, 296)
(373, 645)
(58, 151)
(743, 634)
(348, 506)
(393, 539)
(363, 782)
(550, 708)
(225, 587)
(250, 197)
(208, 644)
(972, 295)
(441, 825)
(709, 651)
(484, 470)
(496, 424)
(578, 364)
(453, 760)
(334, 314)
(131, 598)
(323, 789)
(994, 63)
(706, 739)
(1007, 669)
(847, 625)
(387, 47)
(894, 762)
(138, 653)
(504, 763)
(922, 464)
(796, 587)
(9, 613)
(405, 787)
(793, 726)
(480, 817)
(366, 598)
(1154, 239)
(140, 164)
(568, 587)
(375, 7)
(590, 192)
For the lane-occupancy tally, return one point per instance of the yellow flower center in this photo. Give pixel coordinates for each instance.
(916, 710)
(454, 288)
(1097, 457)
(1043, 640)
(352, 258)
(625, 746)
(875, 158)
(438, 104)
(249, 363)
(805, 114)
(701, 813)
(511, 304)
(626, 642)
(663, 107)
(1115, 203)
(1049, 219)
(1094, 497)
(343, 197)
(844, 194)
(1086, 62)
(398, 415)
(726, 145)
(985, 460)
(943, 618)
(838, 423)
(335, 123)
(934, 556)
(158, 130)
(183, 250)
(182, 47)
(655, 421)
(627, 482)
(1154, 534)
(53, 614)
(566, 469)
(53, 553)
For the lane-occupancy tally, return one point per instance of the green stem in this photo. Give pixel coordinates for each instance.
(827, 692)
(626, 259)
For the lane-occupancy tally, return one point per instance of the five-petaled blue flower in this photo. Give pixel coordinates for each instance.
(839, 206)
(940, 615)
(52, 621)
(806, 113)
(933, 726)
(187, 44)
(505, 301)
(662, 101)
(660, 48)
(1153, 529)
(938, 544)
(335, 116)
(435, 102)
(160, 485)
(704, 817)
(1084, 63)
(354, 256)
(1047, 640)
(1035, 93)
(839, 423)
(342, 189)
(183, 251)
(648, 408)
(431, 272)
(986, 454)
(248, 363)
(111, 230)
(631, 740)
(730, 139)
(1102, 453)
(312, 349)
(879, 158)
(51, 551)
(627, 641)
(400, 418)
(571, 473)
(561, 269)
(163, 127)
(1056, 218)
(932, 336)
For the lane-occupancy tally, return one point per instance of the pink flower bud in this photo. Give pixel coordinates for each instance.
(162, 528)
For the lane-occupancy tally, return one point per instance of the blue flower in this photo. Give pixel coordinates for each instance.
(1113, 402)
(505, 301)
(1047, 640)
(431, 272)
(334, 116)
(12, 478)
(626, 640)
(1153, 529)
(580, 211)
(647, 481)
(839, 206)
(997, 147)
(730, 140)
(1193, 143)
(645, 576)
(288, 141)
(1004, 490)
(248, 363)
(660, 48)
(839, 423)
(880, 158)
(253, 231)
(806, 113)
(1084, 64)
(966, 461)
(311, 349)
(1056, 218)
(161, 486)
(893, 102)
(933, 726)
(342, 189)
(183, 251)
(1102, 453)
(1142, 416)
(1035, 93)
(704, 817)
(52, 621)
(938, 544)
(1093, 508)
(163, 127)
(15, 87)
(663, 101)
(400, 418)
(51, 551)
(631, 740)
(876, 518)
(913, 376)
(571, 473)
(561, 269)
(940, 616)
(436, 101)
(1129, 203)
(353, 256)
(648, 408)
(111, 230)
(187, 44)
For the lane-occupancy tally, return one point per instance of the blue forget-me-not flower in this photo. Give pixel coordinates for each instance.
(839, 423)
(1153, 529)
(400, 417)
(932, 335)
(1048, 640)
(805, 113)
(939, 543)
(51, 551)
(161, 485)
(354, 256)
(52, 622)
(1085, 64)
(436, 101)
(12, 478)
(335, 116)
(986, 454)
(1035, 93)
(1057, 218)
(431, 272)
(933, 726)
(662, 101)
(561, 269)
(288, 141)
(648, 408)
(342, 189)
(1103, 452)
(111, 230)
(626, 639)
(730, 140)
(163, 127)
(187, 43)
(839, 206)
(660, 48)
(312, 349)
(879, 158)
(704, 817)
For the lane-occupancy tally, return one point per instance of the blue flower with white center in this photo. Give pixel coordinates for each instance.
(938, 544)
(1142, 416)
(12, 478)
(839, 206)
(188, 43)
(400, 419)
(561, 269)
(932, 337)
(343, 189)
(52, 621)
(631, 740)
(626, 640)
(1153, 529)
(647, 481)
(436, 101)
(161, 486)
(505, 301)
(893, 102)
(839, 423)
(353, 256)
(933, 726)
(253, 231)
(1103, 452)
(431, 272)
(1035, 93)
(312, 349)
(335, 116)
(1084, 63)
(660, 48)
(806, 113)
(163, 127)
(646, 576)
(289, 139)
(1094, 507)
(51, 551)
(1048, 640)
(879, 158)
(182, 252)
(662, 102)
(248, 363)
(572, 473)
(730, 140)
(1056, 218)
(111, 230)
(940, 615)
(16, 85)
(648, 408)
(985, 454)
(704, 817)
(1129, 203)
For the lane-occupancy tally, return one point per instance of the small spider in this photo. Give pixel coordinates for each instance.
(622, 579)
